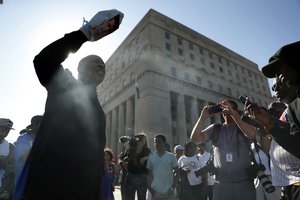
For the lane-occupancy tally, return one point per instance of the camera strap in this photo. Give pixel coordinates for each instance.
(252, 157)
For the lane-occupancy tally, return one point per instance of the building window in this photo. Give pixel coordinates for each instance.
(229, 92)
(236, 67)
(168, 46)
(173, 104)
(173, 71)
(221, 69)
(179, 41)
(187, 104)
(251, 82)
(167, 35)
(220, 89)
(187, 76)
(199, 80)
(220, 59)
(210, 85)
(212, 65)
(257, 85)
(249, 73)
(192, 57)
(210, 55)
(227, 63)
(180, 51)
(201, 51)
(237, 76)
(132, 76)
(202, 60)
(191, 46)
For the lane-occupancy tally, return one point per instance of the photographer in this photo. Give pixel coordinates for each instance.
(231, 152)
(134, 161)
(284, 165)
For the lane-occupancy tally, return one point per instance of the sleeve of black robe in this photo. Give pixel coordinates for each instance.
(49, 60)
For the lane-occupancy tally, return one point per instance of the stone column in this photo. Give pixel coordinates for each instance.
(121, 127)
(194, 111)
(129, 129)
(181, 123)
(114, 130)
(108, 129)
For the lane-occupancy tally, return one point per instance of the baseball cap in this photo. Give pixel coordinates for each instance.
(277, 105)
(35, 120)
(289, 54)
(6, 123)
(178, 148)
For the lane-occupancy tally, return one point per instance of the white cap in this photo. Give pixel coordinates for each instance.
(178, 148)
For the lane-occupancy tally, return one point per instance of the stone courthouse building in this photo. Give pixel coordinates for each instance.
(163, 74)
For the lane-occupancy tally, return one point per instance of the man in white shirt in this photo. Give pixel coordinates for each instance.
(205, 156)
(7, 164)
(191, 182)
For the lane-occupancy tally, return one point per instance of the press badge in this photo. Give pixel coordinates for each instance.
(229, 157)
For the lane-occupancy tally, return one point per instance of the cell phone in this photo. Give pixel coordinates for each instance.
(243, 99)
(214, 109)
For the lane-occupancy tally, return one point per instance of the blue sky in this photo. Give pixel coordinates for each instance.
(254, 29)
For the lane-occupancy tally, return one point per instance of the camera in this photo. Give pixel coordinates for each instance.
(257, 170)
(212, 170)
(214, 109)
(243, 99)
(131, 140)
(208, 168)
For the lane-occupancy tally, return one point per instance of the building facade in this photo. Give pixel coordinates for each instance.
(163, 74)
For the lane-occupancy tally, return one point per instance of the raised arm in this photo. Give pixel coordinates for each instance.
(285, 134)
(197, 134)
(49, 60)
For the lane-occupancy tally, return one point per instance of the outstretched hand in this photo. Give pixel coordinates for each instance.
(259, 114)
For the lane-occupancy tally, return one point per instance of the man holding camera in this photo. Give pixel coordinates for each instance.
(231, 152)
(284, 66)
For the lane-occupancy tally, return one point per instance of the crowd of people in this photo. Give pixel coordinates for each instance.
(62, 154)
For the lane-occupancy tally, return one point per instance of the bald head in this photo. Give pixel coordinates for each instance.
(91, 70)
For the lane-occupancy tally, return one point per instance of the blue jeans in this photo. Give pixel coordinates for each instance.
(136, 183)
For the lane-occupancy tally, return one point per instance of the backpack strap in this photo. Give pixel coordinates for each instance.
(216, 132)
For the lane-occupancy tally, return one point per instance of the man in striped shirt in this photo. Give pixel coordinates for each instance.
(285, 166)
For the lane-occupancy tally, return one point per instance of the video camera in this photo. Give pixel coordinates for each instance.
(131, 140)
